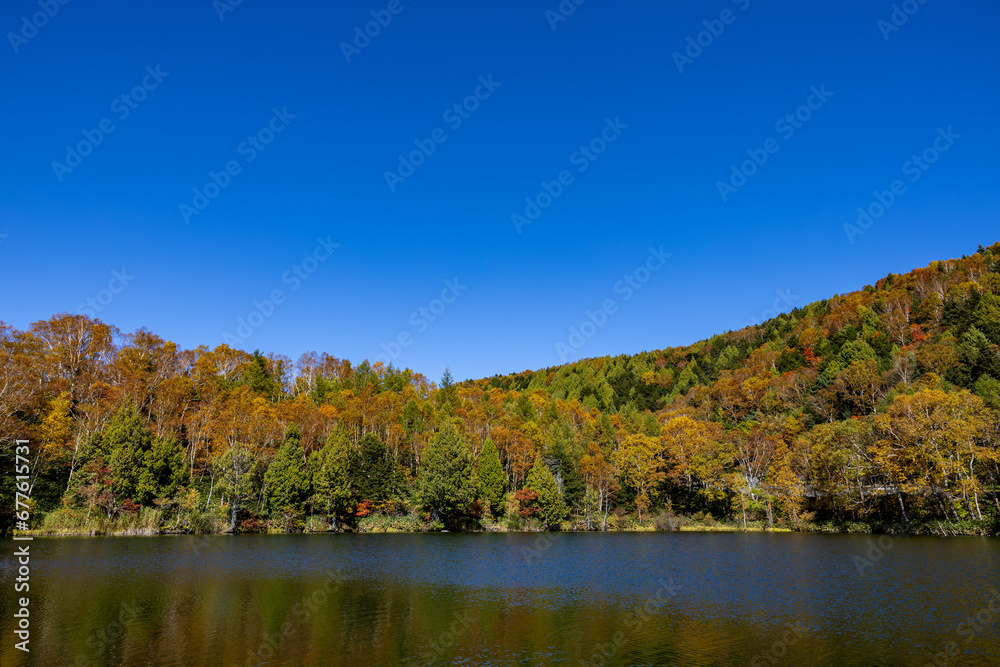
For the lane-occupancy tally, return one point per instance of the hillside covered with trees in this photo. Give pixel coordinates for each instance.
(878, 409)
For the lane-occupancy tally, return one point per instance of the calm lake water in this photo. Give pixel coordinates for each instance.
(508, 599)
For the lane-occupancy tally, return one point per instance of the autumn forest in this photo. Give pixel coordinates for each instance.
(873, 410)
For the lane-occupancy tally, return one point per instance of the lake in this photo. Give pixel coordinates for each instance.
(509, 599)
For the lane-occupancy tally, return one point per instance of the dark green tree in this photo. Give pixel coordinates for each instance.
(333, 487)
(448, 392)
(286, 484)
(447, 485)
(127, 441)
(375, 477)
(259, 378)
(492, 480)
(564, 469)
(551, 509)
(163, 471)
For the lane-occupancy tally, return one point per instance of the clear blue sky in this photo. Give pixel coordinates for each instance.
(324, 174)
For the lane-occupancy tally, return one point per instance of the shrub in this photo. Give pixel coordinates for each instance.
(527, 502)
(667, 521)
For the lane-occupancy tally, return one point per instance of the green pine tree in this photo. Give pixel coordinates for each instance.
(551, 509)
(447, 485)
(375, 476)
(127, 440)
(285, 482)
(564, 467)
(334, 491)
(259, 378)
(163, 470)
(492, 481)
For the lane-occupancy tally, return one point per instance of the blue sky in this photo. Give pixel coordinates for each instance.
(640, 137)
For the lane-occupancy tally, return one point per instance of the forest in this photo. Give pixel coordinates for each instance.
(877, 410)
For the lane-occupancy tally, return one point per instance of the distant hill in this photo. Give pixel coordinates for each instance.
(943, 318)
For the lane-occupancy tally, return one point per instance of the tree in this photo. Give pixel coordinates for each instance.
(286, 484)
(639, 460)
(551, 509)
(259, 377)
(755, 450)
(684, 439)
(239, 479)
(491, 478)
(860, 385)
(602, 482)
(163, 470)
(333, 480)
(57, 428)
(447, 486)
(448, 390)
(565, 471)
(127, 440)
(375, 476)
(928, 444)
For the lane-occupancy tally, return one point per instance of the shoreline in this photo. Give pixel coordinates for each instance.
(923, 530)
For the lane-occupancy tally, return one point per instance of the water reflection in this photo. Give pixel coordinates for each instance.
(506, 599)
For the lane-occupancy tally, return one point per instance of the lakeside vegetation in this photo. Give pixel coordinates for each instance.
(877, 410)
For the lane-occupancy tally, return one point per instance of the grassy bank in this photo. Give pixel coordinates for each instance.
(149, 521)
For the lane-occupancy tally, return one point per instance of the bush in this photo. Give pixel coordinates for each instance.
(667, 521)
(704, 518)
(380, 523)
(527, 502)
(249, 523)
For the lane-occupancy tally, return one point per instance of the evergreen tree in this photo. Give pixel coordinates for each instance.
(285, 482)
(126, 441)
(163, 470)
(492, 481)
(564, 469)
(375, 476)
(258, 377)
(335, 493)
(447, 487)
(448, 392)
(551, 509)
